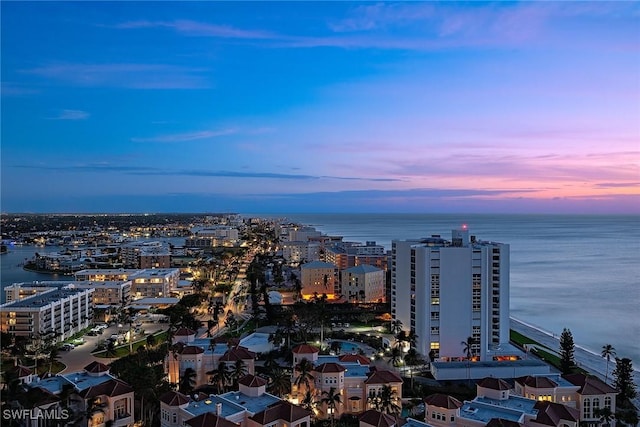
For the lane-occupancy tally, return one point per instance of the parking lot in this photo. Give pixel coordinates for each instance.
(80, 356)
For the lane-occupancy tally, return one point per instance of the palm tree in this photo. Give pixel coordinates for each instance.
(110, 350)
(333, 400)
(53, 354)
(279, 382)
(374, 400)
(151, 341)
(187, 381)
(219, 377)
(238, 371)
(305, 367)
(411, 359)
(396, 326)
(605, 416)
(388, 398)
(308, 402)
(467, 347)
(395, 357)
(607, 352)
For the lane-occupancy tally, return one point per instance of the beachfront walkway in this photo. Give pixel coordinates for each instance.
(587, 360)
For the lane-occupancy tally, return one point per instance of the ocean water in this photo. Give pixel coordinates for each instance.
(578, 272)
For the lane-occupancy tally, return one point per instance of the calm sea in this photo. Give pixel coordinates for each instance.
(577, 272)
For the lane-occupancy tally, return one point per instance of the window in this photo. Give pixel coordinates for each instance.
(586, 408)
(607, 402)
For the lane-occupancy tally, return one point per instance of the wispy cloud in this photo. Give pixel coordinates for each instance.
(16, 89)
(186, 137)
(71, 115)
(127, 75)
(194, 28)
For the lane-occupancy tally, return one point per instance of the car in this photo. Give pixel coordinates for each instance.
(67, 347)
(92, 333)
(346, 325)
(78, 341)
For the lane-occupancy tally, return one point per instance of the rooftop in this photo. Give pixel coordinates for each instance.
(43, 299)
(208, 404)
(252, 404)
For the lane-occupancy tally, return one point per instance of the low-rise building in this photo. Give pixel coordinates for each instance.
(363, 283)
(318, 278)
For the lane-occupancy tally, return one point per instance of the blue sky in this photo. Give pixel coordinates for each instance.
(321, 107)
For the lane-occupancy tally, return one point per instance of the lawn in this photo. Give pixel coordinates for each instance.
(123, 350)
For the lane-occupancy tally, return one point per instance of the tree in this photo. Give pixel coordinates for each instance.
(238, 371)
(151, 341)
(53, 354)
(388, 400)
(308, 402)
(395, 358)
(110, 350)
(605, 416)
(304, 369)
(623, 379)
(567, 349)
(607, 351)
(396, 326)
(467, 347)
(219, 377)
(411, 359)
(187, 381)
(332, 400)
(279, 381)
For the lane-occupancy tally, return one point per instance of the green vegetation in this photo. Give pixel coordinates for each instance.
(123, 350)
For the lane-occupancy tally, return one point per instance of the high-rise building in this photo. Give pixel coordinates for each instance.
(446, 292)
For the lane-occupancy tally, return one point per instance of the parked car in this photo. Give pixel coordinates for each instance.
(67, 347)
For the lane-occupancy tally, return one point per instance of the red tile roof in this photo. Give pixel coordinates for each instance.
(383, 377)
(20, 371)
(38, 397)
(191, 349)
(111, 388)
(238, 353)
(442, 401)
(354, 358)
(499, 422)
(174, 398)
(280, 411)
(377, 418)
(329, 367)
(96, 367)
(305, 349)
(589, 385)
(252, 381)
(184, 332)
(552, 414)
(210, 420)
(494, 383)
(537, 382)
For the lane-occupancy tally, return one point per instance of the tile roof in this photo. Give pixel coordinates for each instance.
(96, 367)
(377, 418)
(305, 349)
(442, 401)
(209, 419)
(500, 422)
(552, 414)
(37, 396)
(184, 332)
(252, 381)
(329, 367)
(537, 382)
(589, 385)
(174, 398)
(281, 411)
(383, 377)
(20, 371)
(238, 353)
(493, 383)
(354, 358)
(111, 388)
(191, 349)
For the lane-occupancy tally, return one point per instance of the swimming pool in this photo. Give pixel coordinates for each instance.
(348, 347)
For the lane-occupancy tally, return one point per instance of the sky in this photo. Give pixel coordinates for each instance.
(285, 107)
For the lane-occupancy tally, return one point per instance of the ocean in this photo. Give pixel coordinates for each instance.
(578, 272)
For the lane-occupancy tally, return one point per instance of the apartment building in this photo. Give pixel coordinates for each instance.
(363, 283)
(448, 290)
(101, 397)
(145, 282)
(350, 375)
(495, 406)
(296, 252)
(318, 278)
(105, 293)
(199, 354)
(146, 255)
(250, 406)
(58, 313)
(350, 254)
